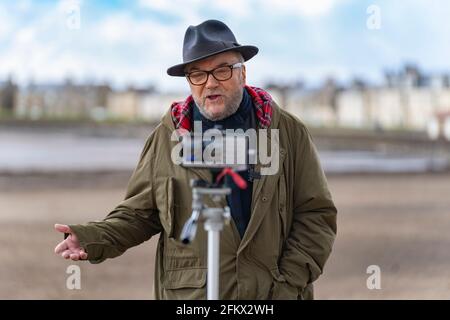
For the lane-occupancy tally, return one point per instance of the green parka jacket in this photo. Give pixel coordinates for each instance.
(284, 249)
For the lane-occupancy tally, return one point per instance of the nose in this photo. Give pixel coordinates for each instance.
(211, 82)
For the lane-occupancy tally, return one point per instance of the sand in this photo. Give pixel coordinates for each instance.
(397, 222)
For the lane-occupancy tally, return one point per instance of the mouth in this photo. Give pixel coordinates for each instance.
(213, 97)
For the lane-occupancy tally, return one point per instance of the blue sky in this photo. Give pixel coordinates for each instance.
(133, 42)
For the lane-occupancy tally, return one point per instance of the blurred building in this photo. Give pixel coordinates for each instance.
(133, 104)
(315, 107)
(154, 106)
(8, 96)
(439, 126)
(124, 105)
(66, 100)
(408, 100)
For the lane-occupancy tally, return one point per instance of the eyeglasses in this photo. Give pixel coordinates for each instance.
(198, 78)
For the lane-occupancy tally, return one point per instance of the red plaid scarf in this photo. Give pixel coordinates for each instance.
(182, 111)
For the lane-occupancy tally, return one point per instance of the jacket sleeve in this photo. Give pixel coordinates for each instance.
(313, 227)
(132, 222)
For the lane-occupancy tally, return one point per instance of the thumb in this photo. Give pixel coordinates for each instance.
(63, 228)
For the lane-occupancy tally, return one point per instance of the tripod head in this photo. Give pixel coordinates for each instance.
(216, 190)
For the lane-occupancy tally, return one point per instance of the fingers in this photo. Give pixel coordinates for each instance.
(83, 255)
(66, 254)
(61, 247)
(62, 228)
(74, 254)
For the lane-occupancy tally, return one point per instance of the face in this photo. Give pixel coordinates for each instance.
(218, 99)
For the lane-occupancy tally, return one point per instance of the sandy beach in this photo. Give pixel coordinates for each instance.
(397, 222)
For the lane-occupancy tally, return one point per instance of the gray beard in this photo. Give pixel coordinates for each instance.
(230, 108)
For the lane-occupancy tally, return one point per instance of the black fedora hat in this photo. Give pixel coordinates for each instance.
(207, 39)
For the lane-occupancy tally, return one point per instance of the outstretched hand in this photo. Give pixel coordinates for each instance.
(70, 247)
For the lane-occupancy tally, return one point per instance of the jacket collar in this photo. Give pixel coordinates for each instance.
(181, 112)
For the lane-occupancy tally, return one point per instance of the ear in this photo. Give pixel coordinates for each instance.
(244, 74)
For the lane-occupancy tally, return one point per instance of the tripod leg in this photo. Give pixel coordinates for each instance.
(213, 229)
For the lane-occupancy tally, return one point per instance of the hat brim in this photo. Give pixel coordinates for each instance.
(247, 52)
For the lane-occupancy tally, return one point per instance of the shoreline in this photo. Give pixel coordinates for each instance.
(34, 180)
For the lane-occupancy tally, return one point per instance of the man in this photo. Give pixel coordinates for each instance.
(283, 225)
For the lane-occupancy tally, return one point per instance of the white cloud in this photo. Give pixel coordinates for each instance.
(234, 8)
(6, 24)
(117, 47)
(239, 8)
(25, 36)
(24, 5)
(305, 8)
(185, 10)
(123, 29)
(155, 4)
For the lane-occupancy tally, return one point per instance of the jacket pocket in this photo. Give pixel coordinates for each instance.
(184, 278)
(281, 289)
(165, 203)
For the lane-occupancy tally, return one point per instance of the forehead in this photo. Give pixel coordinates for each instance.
(211, 62)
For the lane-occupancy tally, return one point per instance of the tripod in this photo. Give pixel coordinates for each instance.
(214, 219)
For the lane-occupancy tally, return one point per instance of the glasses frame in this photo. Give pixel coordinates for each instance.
(211, 72)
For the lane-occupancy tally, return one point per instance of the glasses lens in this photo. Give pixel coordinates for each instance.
(223, 73)
(197, 77)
